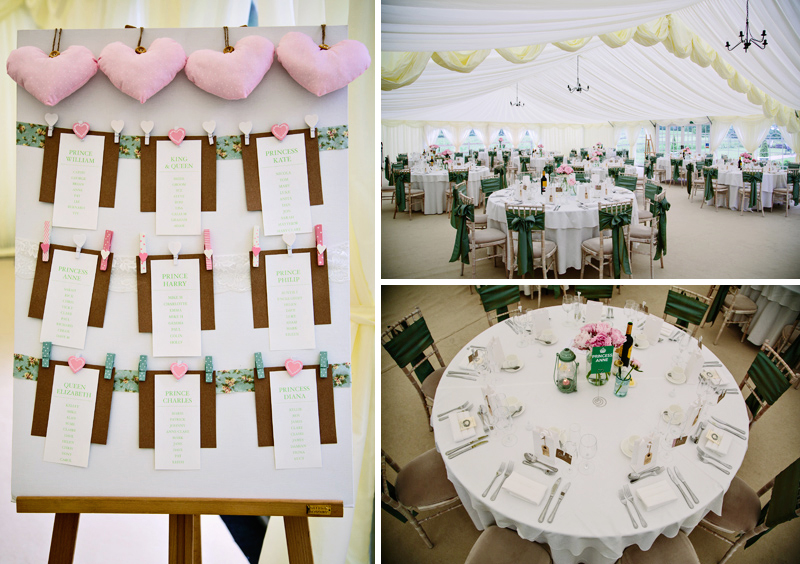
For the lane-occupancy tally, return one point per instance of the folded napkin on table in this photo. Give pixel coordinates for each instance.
(461, 433)
(655, 495)
(525, 488)
(723, 446)
(667, 330)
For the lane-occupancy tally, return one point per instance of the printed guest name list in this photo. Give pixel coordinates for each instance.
(69, 298)
(78, 178)
(295, 419)
(178, 188)
(176, 307)
(283, 176)
(290, 302)
(177, 429)
(69, 426)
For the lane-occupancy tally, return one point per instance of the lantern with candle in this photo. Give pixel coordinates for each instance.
(565, 373)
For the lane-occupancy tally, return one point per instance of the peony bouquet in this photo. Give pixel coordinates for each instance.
(598, 335)
(565, 169)
(746, 157)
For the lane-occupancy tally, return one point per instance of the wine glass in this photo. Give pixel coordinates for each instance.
(571, 449)
(684, 341)
(523, 322)
(629, 309)
(588, 449)
(501, 413)
(641, 314)
(566, 305)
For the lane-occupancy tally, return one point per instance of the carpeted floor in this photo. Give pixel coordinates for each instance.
(702, 243)
(454, 317)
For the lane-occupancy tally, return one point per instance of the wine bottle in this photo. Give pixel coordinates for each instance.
(625, 356)
(740, 163)
(544, 180)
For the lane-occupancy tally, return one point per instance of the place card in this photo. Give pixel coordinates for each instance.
(295, 419)
(283, 179)
(563, 455)
(544, 444)
(594, 311)
(176, 307)
(645, 453)
(69, 298)
(178, 188)
(290, 301)
(78, 179)
(602, 360)
(177, 422)
(72, 407)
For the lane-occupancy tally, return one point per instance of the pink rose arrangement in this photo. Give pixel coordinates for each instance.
(565, 169)
(571, 182)
(434, 148)
(746, 157)
(540, 145)
(447, 153)
(598, 335)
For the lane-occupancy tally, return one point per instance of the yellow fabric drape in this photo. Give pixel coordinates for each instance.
(573, 44)
(519, 55)
(460, 61)
(401, 69)
(618, 38)
(652, 33)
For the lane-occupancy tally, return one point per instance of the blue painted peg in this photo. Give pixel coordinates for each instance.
(209, 370)
(47, 346)
(142, 367)
(259, 365)
(109, 366)
(323, 364)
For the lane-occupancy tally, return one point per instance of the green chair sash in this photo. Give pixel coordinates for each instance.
(523, 164)
(400, 179)
(523, 226)
(459, 176)
(595, 292)
(659, 155)
(549, 168)
(716, 305)
(689, 174)
(492, 155)
(391, 510)
(753, 178)
(651, 190)
(627, 182)
(616, 222)
(584, 153)
(793, 178)
(498, 298)
(580, 177)
(558, 160)
(708, 161)
(769, 381)
(408, 347)
(782, 507)
(387, 168)
(792, 354)
(491, 185)
(501, 170)
(676, 169)
(660, 210)
(649, 166)
(685, 308)
(459, 155)
(709, 173)
(462, 213)
(630, 162)
(458, 190)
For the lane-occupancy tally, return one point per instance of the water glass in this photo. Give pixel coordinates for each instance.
(566, 305)
(588, 449)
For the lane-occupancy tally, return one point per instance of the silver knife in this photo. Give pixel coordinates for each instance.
(728, 425)
(463, 372)
(460, 452)
(552, 493)
(558, 502)
(680, 489)
(452, 450)
(688, 489)
(483, 420)
(463, 377)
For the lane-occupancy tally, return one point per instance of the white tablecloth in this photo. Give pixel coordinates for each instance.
(474, 182)
(769, 181)
(663, 163)
(591, 525)
(435, 185)
(568, 227)
(777, 306)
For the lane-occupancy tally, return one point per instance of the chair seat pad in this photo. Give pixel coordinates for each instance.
(665, 550)
(740, 508)
(549, 247)
(423, 481)
(387, 189)
(594, 245)
(640, 232)
(504, 546)
(415, 191)
(489, 235)
(645, 214)
(480, 218)
(740, 303)
(432, 382)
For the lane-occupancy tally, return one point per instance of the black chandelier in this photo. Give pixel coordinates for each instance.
(745, 37)
(578, 88)
(517, 103)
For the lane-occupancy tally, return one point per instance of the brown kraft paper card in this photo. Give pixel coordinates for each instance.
(145, 297)
(41, 281)
(44, 393)
(208, 409)
(252, 185)
(319, 281)
(208, 173)
(325, 406)
(108, 177)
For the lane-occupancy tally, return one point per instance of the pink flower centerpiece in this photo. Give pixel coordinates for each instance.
(598, 335)
(447, 153)
(565, 169)
(746, 157)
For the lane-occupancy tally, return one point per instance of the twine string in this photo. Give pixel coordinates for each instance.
(323, 46)
(228, 48)
(55, 51)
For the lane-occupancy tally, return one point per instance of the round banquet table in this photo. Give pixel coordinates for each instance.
(769, 181)
(591, 525)
(568, 227)
(435, 185)
(777, 306)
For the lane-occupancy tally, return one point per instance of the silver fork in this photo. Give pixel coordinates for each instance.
(627, 489)
(509, 469)
(499, 471)
(625, 503)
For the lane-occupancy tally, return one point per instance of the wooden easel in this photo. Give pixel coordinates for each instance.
(649, 149)
(184, 520)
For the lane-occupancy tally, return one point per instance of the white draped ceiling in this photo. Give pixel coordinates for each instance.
(630, 86)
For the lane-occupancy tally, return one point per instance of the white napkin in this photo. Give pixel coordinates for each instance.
(722, 448)
(656, 495)
(525, 488)
(667, 330)
(459, 433)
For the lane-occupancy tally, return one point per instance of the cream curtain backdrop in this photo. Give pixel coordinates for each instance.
(334, 540)
(751, 131)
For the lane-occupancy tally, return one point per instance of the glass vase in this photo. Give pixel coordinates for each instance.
(621, 387)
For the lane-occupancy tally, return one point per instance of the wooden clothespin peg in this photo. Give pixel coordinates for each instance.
(323, 364)
(109, 366)
(117, 126)
(147, 127)
(175, 249)
(289, 239)
(312, 120)
(51, 120)
(47, 347)
(106, 249)
(256, 246)
(142, 254)
(320, 245)
(246, 127)
(209, 370)
(209, 127)
(80, 241)
(46, 242)
(142, 367)
(259, 366)
(207, 250)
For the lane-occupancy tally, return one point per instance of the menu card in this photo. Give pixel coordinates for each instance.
(69, 426)
(290, 302)
(69, 297)
(80, 168)
(594, 311)
(176, 307)
(652, 328)
(283, 176)
(177, 424)
(295, 419)
(178, 188)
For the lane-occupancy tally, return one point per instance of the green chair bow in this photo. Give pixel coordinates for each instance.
(462, 213)
(498, 298)
(501, 170)
(716, 305)
(753, 178)
(584, 154)
(614, 172)
(793, 178)
(580, 176)
(648, 167)
(660, 209)
(689, 173)
(506, 156)
(624, 181)
(459, 155)
(769, 381)
(708, 161)
(595, 292)
(459, 176)
(395, 169)
(573, 153)
(676, 169)
(387, 169)
(659, 155)
(492, 155)
(523, 164)
(616, 222)
(686, 309)
(558, 160)
(490, 185)
(400, 179)
(524, 226)
(630, 162)
(709, 173)
(549, 168)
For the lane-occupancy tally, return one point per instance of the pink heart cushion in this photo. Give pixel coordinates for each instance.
(50, 80)
(140, 75)
(318, 70)
(232, 76)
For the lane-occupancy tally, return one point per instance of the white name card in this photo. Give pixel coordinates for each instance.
(176, 307)
(69, 298)
(295, 419)
(69, 426)
(283, 177)
(78, 178)
(177, 427)
(178, 188)
(290, 302)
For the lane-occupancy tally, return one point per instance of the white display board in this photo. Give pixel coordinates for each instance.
(237, 467)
